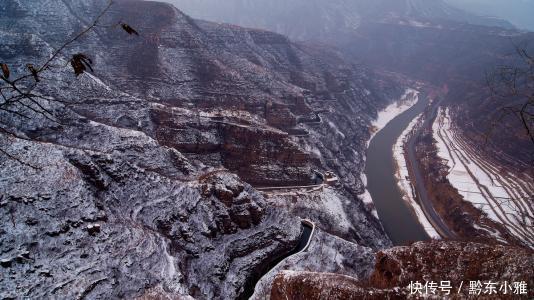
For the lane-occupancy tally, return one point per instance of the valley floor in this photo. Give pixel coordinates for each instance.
(407, 100)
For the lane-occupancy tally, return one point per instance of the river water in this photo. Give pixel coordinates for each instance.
(396, 216)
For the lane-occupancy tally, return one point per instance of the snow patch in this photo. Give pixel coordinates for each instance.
(408, 99)
(332, 204)
(336, 129)
(367, 199)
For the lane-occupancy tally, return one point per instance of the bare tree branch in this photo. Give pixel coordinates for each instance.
(514, 84)
(17, 95)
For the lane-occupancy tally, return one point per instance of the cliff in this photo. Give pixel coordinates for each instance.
(398, 267)
(134, 191)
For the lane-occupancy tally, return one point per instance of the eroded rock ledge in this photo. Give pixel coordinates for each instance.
(395, 268)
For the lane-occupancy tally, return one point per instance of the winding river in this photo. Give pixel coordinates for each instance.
(396, 216)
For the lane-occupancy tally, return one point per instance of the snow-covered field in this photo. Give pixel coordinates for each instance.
(403, 181)
(504, 197)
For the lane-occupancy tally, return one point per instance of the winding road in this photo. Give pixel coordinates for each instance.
(422, 194)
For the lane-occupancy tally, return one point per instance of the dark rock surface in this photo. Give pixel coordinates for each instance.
(134, 191)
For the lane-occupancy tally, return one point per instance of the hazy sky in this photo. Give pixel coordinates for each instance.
(519, 12)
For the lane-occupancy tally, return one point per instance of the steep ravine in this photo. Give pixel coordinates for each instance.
(149, 187)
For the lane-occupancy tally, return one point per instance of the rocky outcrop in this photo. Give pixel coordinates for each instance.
(452, 261)
(436, 261)
(310, 286)
(96, 224)
(133, 191)
(260, 155)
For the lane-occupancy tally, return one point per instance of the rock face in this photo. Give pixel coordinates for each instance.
(109, 224)
(130, 190)
(310, 285)
(457, 261)
(421, 262)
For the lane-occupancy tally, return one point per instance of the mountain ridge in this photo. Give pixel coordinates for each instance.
(319, 20)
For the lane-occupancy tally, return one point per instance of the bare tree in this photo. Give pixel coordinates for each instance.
(514, 84)
(19, 96)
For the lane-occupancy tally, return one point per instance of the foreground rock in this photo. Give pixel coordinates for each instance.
(421, 262)
(452, 261)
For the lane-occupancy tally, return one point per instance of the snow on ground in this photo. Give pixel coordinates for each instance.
(408, 99)
(332, 204)
(403, 181)
(367, 199)
(336, 129)
(504, 197)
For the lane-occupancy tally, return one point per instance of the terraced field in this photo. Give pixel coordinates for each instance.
(504, 197)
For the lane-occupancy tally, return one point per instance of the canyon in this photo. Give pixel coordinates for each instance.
(135, 192)
(184, 164)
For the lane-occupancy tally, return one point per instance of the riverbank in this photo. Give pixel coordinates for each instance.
(407, 100)
(397, 218)
(403, 178)
(385, 116)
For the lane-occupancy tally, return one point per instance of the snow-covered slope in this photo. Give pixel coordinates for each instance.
(136, 188)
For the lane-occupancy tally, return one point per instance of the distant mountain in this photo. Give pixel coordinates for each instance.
(519, 12)
(319, 19)
(428, 40)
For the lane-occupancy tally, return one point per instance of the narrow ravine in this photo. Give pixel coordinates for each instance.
(398, 219)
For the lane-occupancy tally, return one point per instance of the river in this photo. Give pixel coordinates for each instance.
(396, 216)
